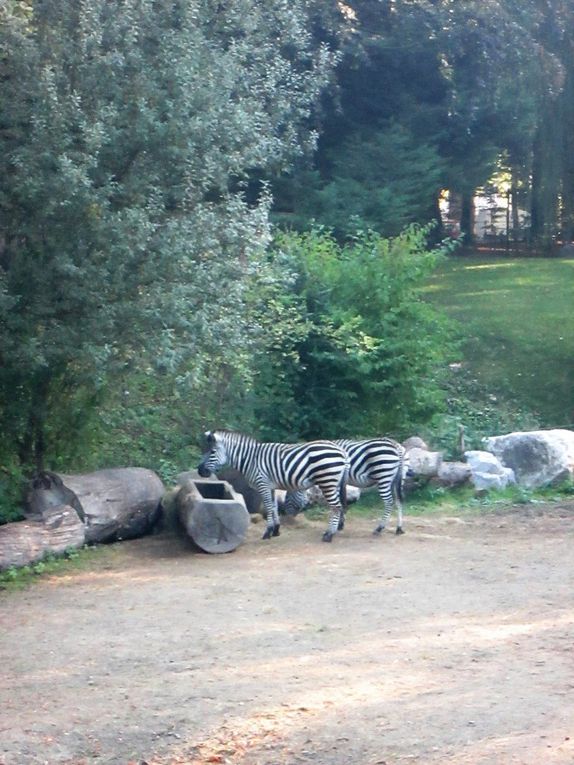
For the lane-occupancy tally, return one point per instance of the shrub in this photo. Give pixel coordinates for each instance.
(355, 349)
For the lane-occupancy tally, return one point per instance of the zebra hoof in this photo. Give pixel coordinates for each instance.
(276, 531)
(399, 531)
(268, 533)
(341, 525)
(328, 536)
(378, 531)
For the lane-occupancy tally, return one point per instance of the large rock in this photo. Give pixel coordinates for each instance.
(487, 471)
(423, 462)
(415, 442)
(315, 495)
(251, 496)
(453, 474)
(538, 458)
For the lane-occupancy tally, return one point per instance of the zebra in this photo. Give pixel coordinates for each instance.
(376, 461)
(270, 466)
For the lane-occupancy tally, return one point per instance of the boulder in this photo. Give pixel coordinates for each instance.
(251, 496)
(453, 473)
(487, 471)
(415, 442)
(190, 475)
(423, 462)
(315, 496)
(538, 458)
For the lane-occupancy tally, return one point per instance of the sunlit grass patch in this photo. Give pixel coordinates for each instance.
(517, 320)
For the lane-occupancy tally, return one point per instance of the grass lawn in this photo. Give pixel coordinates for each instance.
(518, 322)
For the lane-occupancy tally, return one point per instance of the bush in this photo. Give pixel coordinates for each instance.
(353, 349)
(482, 414)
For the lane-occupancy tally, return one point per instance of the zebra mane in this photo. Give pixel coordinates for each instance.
(233, 433)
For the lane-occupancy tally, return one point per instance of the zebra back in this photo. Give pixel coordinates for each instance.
(374, 459)
(287, 466)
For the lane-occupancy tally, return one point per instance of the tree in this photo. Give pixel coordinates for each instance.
(380, 179)
(468, 81)
(128, 130)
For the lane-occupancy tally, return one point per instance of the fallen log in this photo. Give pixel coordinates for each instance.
(25, 542)
(213, 514)
(67, 511)
(119, 503)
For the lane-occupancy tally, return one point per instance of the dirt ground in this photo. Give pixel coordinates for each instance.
(452, 644)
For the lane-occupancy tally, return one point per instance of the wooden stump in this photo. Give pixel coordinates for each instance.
(47, 490)
(213, 514)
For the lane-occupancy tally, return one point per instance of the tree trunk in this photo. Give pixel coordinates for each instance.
(467, 218)
(515, 226)
(67, 511)
(567, 121)
(546, 171)
(32, 447)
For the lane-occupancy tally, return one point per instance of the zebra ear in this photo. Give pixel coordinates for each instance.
(209, 438)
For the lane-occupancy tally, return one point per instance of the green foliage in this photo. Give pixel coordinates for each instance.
(128, 131)
(145, 422)
(73, 559)
(428, 500)
(360, 352)
(381, 180)
(473, 406)
(11, 489)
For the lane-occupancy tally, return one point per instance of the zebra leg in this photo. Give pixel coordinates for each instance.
(399, 529)
(337, 499)
(342, 514)
(270, 505)
(334, 524)
(388, 500)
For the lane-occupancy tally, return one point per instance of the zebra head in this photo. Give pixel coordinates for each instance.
(215, 457)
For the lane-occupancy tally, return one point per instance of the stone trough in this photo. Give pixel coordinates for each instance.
(213, 514)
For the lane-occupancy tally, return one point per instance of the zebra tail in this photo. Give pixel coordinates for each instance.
(343, 489)
(399, 479)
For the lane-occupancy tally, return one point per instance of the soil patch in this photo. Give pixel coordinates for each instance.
(452, 644)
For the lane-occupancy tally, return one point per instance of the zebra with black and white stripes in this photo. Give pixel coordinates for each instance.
(380, 462)
(270, 466)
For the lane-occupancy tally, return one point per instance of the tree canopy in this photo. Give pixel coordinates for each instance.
(473, 87)
(129, 130)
